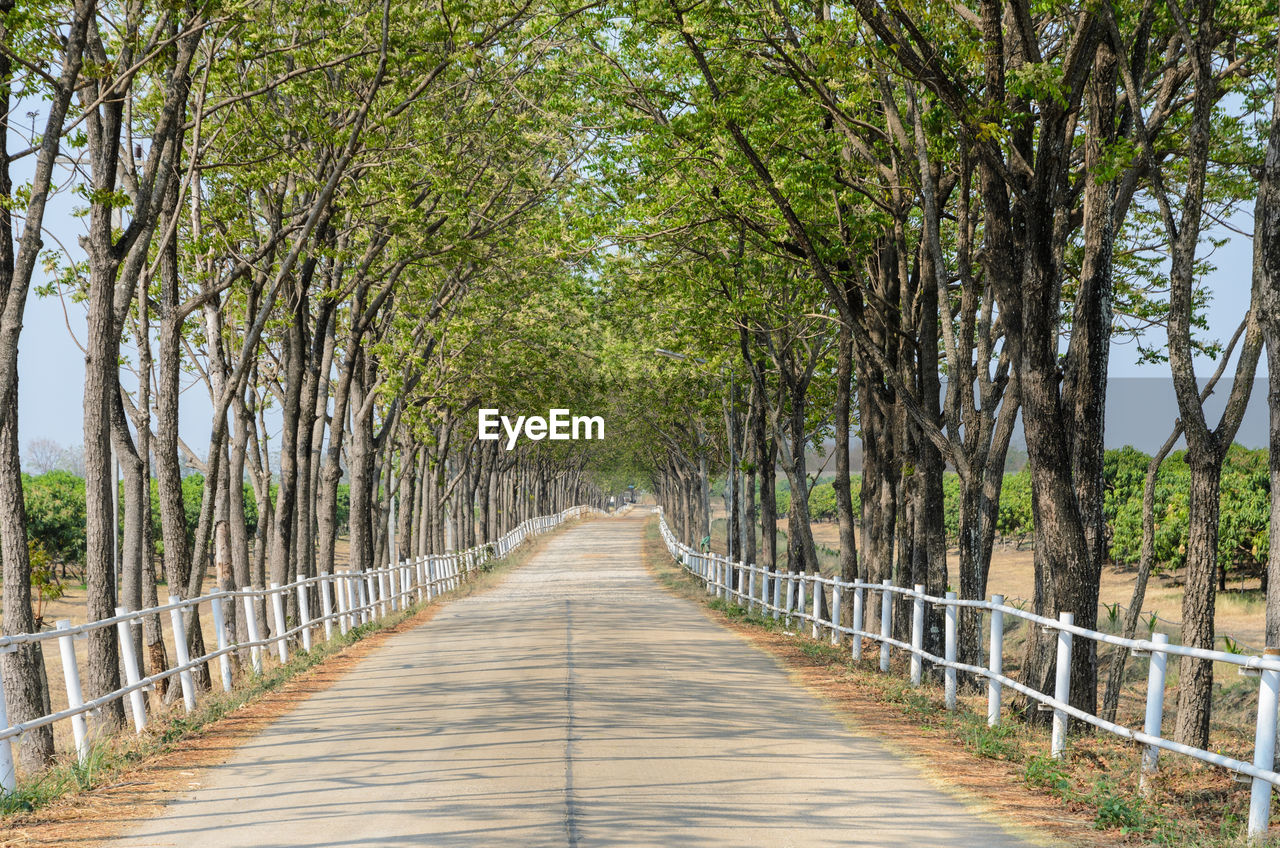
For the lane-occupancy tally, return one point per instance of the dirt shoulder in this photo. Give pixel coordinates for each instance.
(1088, 800)
(174, 755)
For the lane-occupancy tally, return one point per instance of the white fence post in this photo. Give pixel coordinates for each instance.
(817, 607)
(75, 695)
(382, 593)
(751, 588)
(220, 632)
(1062, 688)
(431, 577)
(801, 598)
(835, 613)
(277, 608)
(304, 612)
(886, 623)
(183, 656)
(790, 603)
(418, 567)
(366, 598)
(995, 662)
(251, 627)
(1264, 748)
(855, 649)
(132, 675)
(340, 595)
(777, 593)
(1155, 715)
(326, 604)
(917, 636)
(742, 583)
(8, 774)
(952, 616)
(394, 591)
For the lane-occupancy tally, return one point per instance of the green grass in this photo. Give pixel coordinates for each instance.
(993, 743)
(1044, 772)
(1118, 810)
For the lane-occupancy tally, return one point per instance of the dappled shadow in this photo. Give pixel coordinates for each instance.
(576, 704)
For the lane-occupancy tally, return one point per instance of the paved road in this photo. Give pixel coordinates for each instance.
(577, 704)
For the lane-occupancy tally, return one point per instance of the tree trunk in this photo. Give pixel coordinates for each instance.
(238, 531)
(283, 538)
(362, 482)
(1195, 677)
(1266, 269)
(101, 387)
(137, 511)
(26, 691)
(843, 483)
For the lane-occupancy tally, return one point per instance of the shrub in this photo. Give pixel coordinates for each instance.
(56, 515)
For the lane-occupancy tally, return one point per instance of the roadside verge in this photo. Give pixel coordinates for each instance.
(73, 805)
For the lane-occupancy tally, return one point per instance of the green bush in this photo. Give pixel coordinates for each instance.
(1014, 515)
(1243, 517)
(344, 507)
(822, 498)
(55, 503)
(56, 515)
(822, 502)
(951, 505)
(1243, 542)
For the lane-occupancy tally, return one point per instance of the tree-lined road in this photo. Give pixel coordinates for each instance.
(576, 704)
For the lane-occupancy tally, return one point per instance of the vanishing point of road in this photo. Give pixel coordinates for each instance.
(576, 704)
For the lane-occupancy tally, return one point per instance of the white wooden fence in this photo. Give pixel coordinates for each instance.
(347, 600)
(747, 585)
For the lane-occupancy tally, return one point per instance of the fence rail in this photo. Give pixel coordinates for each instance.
(347, 599)
(748, 584)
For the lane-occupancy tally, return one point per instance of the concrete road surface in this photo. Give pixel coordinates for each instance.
(577, 704)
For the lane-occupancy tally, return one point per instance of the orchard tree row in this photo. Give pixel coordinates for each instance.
(1243, 520)
(55, 507)
(912, 223)
(341, 227)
